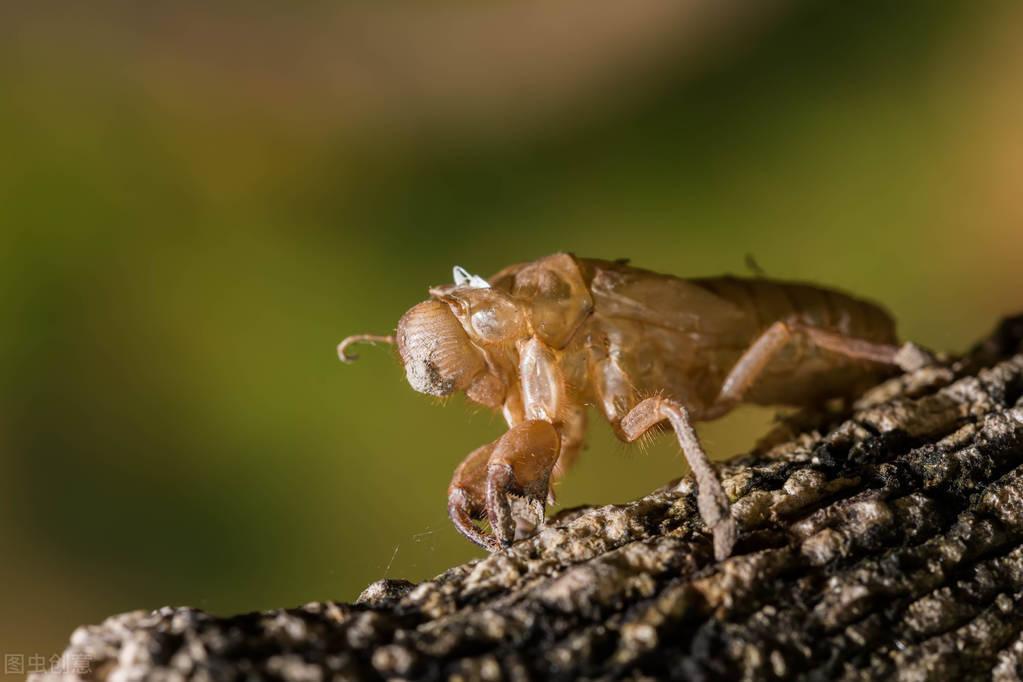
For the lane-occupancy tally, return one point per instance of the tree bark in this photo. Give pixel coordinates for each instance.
(884, 542)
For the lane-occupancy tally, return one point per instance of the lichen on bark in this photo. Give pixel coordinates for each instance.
(884, 542)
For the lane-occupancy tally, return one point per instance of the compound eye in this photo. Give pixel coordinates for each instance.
(438, 356)
(495, 319)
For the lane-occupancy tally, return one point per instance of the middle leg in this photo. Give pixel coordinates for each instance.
(615, 392)
(710, 496)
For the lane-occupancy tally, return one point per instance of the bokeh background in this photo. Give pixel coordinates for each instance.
(197, 202)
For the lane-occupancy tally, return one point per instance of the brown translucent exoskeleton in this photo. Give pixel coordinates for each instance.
(543, 341)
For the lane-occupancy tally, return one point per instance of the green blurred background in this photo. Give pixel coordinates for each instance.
(197, 203)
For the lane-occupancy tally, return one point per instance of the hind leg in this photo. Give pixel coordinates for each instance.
(758, 356)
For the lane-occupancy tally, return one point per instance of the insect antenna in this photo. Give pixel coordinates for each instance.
(342, 348)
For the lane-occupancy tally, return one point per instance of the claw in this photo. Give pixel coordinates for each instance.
(461, 510)
(515, 511)
(467, 497)
(532, 518)
(499, 480)
(518, 479)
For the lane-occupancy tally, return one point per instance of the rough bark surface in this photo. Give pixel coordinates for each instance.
(886, 542)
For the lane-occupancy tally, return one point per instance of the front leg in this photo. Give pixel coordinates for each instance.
(520, 466)
(710, 497)
(498, 478)
(467, 496)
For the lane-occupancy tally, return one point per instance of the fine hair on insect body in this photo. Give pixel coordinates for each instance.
(542, 342)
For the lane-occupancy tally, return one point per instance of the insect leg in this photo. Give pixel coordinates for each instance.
(520, 466)
(907, 357)
(750, 365)
(711, 499)
(467, 496)
(615, 393)
(755, 359)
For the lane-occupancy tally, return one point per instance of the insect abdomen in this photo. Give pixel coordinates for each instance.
(765, 302)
